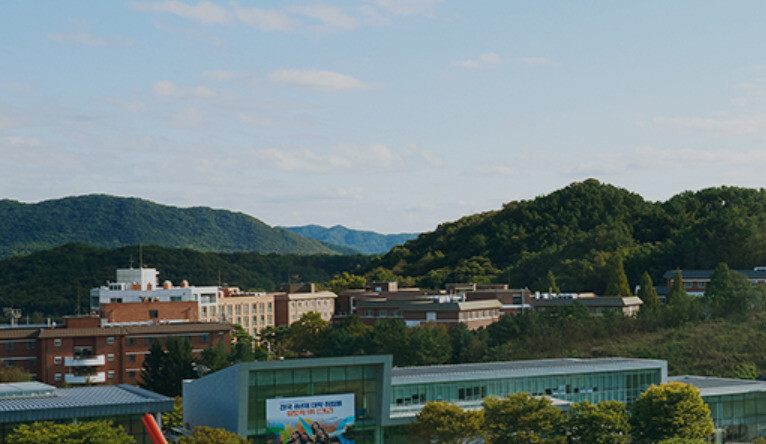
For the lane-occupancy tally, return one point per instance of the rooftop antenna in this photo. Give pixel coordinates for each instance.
(141, 255)
(131, 261)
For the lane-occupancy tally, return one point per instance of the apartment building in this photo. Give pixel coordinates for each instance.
(295, 300)
(82, 351)
(254, 311)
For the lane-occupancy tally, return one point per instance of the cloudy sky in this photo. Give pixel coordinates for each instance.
(388, 115)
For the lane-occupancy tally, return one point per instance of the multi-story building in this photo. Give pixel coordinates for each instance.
(695, 281)
(448, 310)
(118, 313)
(141, 284)
(82, 351)
(628, 305)
(254, 311)
(295, 300)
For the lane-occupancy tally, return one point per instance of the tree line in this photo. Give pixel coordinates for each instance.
(668, 413)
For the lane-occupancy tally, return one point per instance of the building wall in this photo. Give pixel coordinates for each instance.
(253, 312)
(290, 307)
(149, 311)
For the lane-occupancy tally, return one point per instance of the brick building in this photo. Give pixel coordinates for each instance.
(84, 352)
(695, 281)
(295, 300)
(149, 311)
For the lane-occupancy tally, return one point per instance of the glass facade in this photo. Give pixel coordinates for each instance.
(742, 416)
(364, 381)
(624, 386)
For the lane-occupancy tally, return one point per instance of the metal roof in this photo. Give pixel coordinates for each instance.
(600, 301)
(517, 369)
(710, 386)
(84, 402)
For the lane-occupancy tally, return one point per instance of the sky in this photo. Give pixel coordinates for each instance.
(384, 115)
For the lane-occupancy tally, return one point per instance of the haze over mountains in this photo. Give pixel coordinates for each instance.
(366, 242)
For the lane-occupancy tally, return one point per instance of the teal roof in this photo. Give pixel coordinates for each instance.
(518, 369)
(83, 402)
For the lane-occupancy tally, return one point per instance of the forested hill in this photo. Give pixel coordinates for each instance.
(574, 231)
(112, 222)
(52, 281)
(367, 242)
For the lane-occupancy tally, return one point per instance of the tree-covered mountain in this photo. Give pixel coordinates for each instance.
(367, 242)
(574, 232)
(52, 281)
(112, 222)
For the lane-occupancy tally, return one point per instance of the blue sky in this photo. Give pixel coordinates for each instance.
(388, 115)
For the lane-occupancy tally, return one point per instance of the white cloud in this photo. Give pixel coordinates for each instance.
(320, 80)
(265, 19)
(222, 76)
(538, 61)
(189, 117)
(409, 7)
(486, 59)
(23, 142)
(167, 89)
(331, 16)
(206, 13)
(91, 40)
(341, 157)
(493, 170)
(746, 124)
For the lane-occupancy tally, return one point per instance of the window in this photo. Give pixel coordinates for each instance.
(110, 340)
(245, 309)
(382, 313)
(131, 358)
(149, 341)
(153, 314)
(175, 299)
(268, 308)
(10, 345)
(268, 319)
(30, 345)
(688, 284)
(57, 377)
(204, 312)
(131, 374)
(57, 342)
(110, 357)
(131, 341)
(110, 374)
(204, 337)
(368, 313)
(702, 284)
(238, 310)
(57, 360)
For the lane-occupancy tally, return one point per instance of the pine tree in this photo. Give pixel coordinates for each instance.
(549, 284)
(152, 376)
(648, 294)
(720, 290)
(677, 291)
(616, 280)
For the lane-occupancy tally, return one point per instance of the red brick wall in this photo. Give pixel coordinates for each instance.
(139, 311)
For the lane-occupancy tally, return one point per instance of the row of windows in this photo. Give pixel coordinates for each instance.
(29, 345)
(478, 314)
(238, 309)
(312, 304)
(57, 342)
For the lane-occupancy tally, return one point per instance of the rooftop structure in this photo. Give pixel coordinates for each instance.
(695, 281)
(124, 404)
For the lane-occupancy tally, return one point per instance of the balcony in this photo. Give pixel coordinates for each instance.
(95, 378)
(85, 361)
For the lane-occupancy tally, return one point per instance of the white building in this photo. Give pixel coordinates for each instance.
(141, 284)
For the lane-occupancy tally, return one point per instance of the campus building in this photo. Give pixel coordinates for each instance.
(123, 405)
(288, 396)
(627, 305)
(447, 310)
(295, 300)
(695, 281)
(737, 406)
(141, 284)
(254, 311)
(83, 352)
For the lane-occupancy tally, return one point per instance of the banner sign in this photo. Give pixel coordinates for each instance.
(310, 419)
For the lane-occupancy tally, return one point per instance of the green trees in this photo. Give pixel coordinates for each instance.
(677, 289)
(209, 435)
(602, 423)
(648, 294)
(616, 280)
(522, 419)
(447, 423)
(13, 374)
(307, 333)
(82, 432)
(672, 410)
(730, 293)
(166, 367)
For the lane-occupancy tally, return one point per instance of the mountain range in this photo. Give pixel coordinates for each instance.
(366, 242)
(112, 222)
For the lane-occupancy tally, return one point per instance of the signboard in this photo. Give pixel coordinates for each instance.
(310, 419)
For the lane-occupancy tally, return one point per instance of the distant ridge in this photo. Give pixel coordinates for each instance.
(367, 242)
(112, 222)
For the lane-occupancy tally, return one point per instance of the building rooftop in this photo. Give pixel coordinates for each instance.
(82, 402)
(710, 386)
(686, 274)
(599, 301)
(518, 369)
(25, 390)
